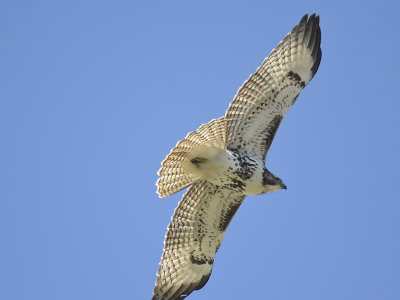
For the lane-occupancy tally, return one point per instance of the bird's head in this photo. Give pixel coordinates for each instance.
(271, 182)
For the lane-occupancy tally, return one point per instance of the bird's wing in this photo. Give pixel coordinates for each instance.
(260, 104)
(192, 239)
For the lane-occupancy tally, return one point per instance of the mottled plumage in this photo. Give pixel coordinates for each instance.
(224, 161)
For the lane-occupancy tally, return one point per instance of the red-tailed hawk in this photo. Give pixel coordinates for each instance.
(224, 161)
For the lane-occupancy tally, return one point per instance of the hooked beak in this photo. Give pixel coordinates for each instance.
(283, 186)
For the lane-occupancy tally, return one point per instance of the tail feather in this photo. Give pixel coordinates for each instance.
(174, 175)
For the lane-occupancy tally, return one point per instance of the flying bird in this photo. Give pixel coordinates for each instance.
(223, 161)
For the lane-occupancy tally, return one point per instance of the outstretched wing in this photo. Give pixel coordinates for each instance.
(264, 99)
(193, 237)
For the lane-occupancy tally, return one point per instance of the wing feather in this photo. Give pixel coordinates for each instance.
(192, 239)
(264, 99)
(251, 122)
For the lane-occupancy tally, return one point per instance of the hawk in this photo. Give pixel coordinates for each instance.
(223, 161)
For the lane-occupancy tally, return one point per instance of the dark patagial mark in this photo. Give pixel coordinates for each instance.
(271, 131)
(217, 248)
(296, 78)
(294, 99)
(227, 215)
(264, 176)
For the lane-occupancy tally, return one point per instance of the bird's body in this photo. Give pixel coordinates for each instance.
(223, 161)
(233, 169)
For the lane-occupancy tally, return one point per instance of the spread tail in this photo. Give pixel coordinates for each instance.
(177, 168)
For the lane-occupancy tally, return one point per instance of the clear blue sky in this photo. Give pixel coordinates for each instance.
(93, 94)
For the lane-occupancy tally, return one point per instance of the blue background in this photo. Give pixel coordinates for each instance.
(94, 94)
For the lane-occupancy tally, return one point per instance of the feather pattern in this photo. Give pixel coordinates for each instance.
(193, 237)
(173, 176)
(259, 106)
(238, 144)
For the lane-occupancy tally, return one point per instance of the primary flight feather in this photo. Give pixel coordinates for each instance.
(224, 161)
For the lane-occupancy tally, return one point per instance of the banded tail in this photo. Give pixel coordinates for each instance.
(177, 170)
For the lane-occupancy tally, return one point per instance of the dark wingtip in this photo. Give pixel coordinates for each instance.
(316, 52)
(303, 20)
(316, 19)
(312, 38)
(315, 66)
(182, 291)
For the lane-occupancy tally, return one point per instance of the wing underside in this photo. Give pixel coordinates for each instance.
(252, 120)
(193, 237)
(264, 99)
